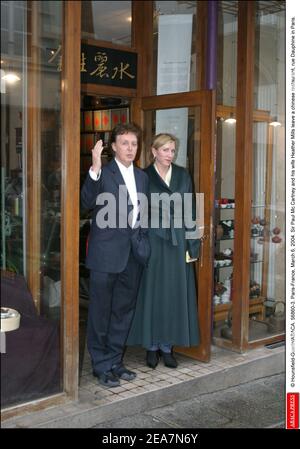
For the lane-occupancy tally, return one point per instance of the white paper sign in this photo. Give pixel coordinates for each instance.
(174, 53)
(173, 75)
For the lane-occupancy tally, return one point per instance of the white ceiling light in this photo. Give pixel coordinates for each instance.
(275, 123)
(11, 77)
(231, 120)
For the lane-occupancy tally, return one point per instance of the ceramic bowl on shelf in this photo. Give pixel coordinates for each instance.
(216, 300)
(228, 252)
(225, 298)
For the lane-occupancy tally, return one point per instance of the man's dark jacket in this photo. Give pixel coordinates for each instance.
(109, 248)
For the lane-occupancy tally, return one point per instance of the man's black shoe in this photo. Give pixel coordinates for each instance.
(152, 359)
(107, 379)
(123, 373)
(169, 359)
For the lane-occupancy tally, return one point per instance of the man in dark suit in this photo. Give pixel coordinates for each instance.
(118, 247)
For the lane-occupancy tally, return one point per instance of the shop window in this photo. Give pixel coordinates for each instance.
(174, 47)
(268, 182)
(107, 21)
(224, 216)
(30, 202)
(266, 264)
(227, 53)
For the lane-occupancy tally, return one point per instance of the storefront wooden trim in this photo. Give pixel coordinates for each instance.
(268, 202)
(201, 43)
(110, 91)
(33, 159)
(207, 184)
(204, 268)
(243, 173)
(191, 99)
(142, 41)
(266, 341)
(106, 44)
(259, 115)
(226, 344)
(70, 195)
(34, 406)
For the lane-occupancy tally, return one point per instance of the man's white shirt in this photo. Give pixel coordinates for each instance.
(129, 178)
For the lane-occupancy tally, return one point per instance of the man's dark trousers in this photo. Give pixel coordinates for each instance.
(111, 309)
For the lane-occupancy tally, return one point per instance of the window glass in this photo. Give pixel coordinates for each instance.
(183, 123)
(30, 201)
(227, 53)
(174, 47)
(267, 281)
(107, 21)
(224, 217)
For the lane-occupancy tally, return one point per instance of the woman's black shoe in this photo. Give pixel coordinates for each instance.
(169, 359)
(152, 359)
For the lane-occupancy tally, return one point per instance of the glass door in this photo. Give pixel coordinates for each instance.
(190, 117)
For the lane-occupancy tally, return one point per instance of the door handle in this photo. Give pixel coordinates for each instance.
(202, 239)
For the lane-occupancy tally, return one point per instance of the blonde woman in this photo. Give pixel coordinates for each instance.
(166, 311)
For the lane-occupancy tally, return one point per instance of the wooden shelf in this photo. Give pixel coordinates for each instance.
(256, 306)
(221, 311)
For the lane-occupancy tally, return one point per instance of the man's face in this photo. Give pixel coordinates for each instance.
(125, 148)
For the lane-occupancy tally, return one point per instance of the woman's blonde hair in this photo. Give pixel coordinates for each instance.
(161, 139)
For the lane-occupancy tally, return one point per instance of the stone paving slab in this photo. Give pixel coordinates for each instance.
(251, 405)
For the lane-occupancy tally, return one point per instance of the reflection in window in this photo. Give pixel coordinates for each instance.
(183, 123)
(30, 201)
(174, 47)
(227, 53)
(268, 192)
(107, 21)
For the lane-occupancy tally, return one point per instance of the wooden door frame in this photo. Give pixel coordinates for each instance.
(204, 271)
(70, 195)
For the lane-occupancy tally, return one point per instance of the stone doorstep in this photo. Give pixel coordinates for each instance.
(88, 414)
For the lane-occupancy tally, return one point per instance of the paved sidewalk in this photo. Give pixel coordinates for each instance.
(256, 404)
(153, 389)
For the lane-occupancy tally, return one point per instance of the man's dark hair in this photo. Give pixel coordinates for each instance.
(124, 129)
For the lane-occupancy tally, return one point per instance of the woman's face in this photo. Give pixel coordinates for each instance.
(165, 154)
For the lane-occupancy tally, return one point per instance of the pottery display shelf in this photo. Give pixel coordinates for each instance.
(256, 307)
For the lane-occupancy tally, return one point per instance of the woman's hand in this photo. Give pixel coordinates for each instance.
(96, 156)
